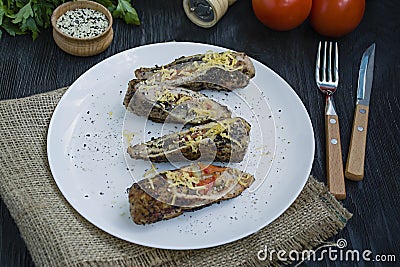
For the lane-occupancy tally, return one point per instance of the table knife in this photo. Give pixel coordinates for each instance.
(356, 155)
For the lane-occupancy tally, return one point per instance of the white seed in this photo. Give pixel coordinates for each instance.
(82, 23)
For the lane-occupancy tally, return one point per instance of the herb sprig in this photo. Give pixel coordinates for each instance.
(29, 16)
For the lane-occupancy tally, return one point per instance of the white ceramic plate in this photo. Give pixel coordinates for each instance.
(87, 142)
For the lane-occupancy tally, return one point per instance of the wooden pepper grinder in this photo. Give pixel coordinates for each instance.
(205, 13)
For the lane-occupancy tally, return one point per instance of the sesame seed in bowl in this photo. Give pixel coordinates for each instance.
(82, 28)
(82, 23)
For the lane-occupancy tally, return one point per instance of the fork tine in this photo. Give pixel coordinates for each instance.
(336, 64)
(317, 63)
(329, 72)
(324, 63)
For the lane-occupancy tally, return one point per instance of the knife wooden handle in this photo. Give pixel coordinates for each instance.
(334, 162)
(356, 155)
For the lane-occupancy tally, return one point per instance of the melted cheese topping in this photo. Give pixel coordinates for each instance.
(167, 74)
(166, 96)
(225, 60)
(200, 111)
(153, 170)
(244, 180)
(183, 178)
(193, 143)
(128, 136)
(169, 97)
(217, 129)
(183, 99)
(213, 131)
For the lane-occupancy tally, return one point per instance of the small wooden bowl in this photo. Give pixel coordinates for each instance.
(82, 46)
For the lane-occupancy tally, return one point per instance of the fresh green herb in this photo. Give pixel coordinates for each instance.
(29, 16)
(126, 12)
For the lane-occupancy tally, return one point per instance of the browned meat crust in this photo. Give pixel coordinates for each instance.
(244, 62)
(173, 104)
(227, 143)
(130, 92)
(151, 202)
(215, 71)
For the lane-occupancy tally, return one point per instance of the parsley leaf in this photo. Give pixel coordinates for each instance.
(107, 3)
(30, 25)
(29, 16)
(10, 28)
(2, 12)
(126, 12)
(23, 14)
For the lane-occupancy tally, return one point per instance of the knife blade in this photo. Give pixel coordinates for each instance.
(356, 155)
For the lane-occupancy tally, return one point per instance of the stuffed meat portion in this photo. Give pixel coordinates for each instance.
(223, 141)
(229, 60)
(173, 104)
(214, 71)
(171, 193)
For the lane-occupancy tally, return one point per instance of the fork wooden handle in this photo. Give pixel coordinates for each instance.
(356, 156)
(334, 162)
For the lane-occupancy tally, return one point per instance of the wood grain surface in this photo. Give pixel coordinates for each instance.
(334, 157)
(28, 67)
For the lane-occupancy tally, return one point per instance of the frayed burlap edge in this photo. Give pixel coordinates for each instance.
(57, 236)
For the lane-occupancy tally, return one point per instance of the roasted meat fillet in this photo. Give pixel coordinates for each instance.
(159, 90)
(224, 141)
(171, 193)
(214, 71)
(235, 61)
(173, 104)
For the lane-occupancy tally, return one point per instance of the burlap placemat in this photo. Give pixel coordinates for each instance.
(56, 235)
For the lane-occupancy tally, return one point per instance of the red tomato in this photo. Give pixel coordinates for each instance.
(206, 181)
(282, 15)
(211, 168)
(335, 18)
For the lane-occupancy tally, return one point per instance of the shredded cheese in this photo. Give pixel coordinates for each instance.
(150, 82)
(151, 183)
(166, 96)
(153, 170)
(200, 111)
(225, 60)
(183, 99)
(182, 178)
(173, 200)
(167, 74)
(128, 136)
(217, 129)
(244, 180)
(192, 142)
(242, 183)
(185, 73)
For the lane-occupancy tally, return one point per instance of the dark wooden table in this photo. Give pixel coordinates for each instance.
(28, 67)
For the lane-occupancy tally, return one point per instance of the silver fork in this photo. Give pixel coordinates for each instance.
(327, 84)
